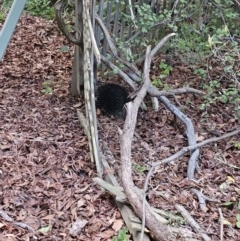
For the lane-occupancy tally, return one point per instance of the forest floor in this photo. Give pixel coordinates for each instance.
(45, 169)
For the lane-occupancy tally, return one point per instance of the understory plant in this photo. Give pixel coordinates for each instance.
(40, 8)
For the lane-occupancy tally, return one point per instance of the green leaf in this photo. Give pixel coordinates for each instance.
(223, 186)
(64, 48)
(238, 224)
(226, 204)
(44, 229)
(122, 235)
(139, 168)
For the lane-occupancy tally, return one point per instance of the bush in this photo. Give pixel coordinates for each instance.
(40, 8)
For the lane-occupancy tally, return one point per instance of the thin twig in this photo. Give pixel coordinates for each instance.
(182, 152)
(194, 147)
(202, 199)
(221, 224)
(192, 222)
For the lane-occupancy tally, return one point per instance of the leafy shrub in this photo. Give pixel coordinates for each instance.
(39, 8)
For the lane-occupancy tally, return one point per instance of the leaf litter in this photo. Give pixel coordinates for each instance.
(43, 149)
(44, 157)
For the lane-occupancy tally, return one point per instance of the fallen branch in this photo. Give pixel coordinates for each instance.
(192, 222)
(180, 154)
(159, 231)
(59, 9)
(193, 147)
(135, 223)
(202, 199)
(185, 150)
(192, 163)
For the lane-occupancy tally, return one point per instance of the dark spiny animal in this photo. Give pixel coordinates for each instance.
(111, 99)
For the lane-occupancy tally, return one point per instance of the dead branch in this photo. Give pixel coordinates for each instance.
(126, 210)
(160, 231)
(119, 71)
(114, 49)
(182, 152)
(154, 92)
(192, 163)
(192, 222)
(135, 74)
(202, 199)
(132, 222)
(59, 9)
(160, 44)
(192, 148)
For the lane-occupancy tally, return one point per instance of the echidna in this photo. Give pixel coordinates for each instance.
(111, 99)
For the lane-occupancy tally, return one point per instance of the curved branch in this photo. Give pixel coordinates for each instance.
(192, 164)
(113, 48)
(194, 147)
(159, 230)
(59, 9)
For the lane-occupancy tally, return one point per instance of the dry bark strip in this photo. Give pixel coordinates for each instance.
(161, 232)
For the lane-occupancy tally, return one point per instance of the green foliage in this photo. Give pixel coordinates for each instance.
(122, 235)
(164, 72)
(47, 89)
(238, 221)
(44, 229)
(139, 168)
(64, 48)
(146, 17)
(2, 17)
(40, 8)
(6, 4)
(201, 72)
(144, 23)
(226, 56)
(164, 69)
(236, 144)
(216, 93)
(189, 45)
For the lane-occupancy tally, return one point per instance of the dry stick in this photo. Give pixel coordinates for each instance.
(135, 72)
(202, 199)
(193, 147)
(153, 52)
(187, 149)
(192, 163)
(155, 92)
(113, 48)
(192, 222)
(160, 231)
(221, 224)
(181, 153)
